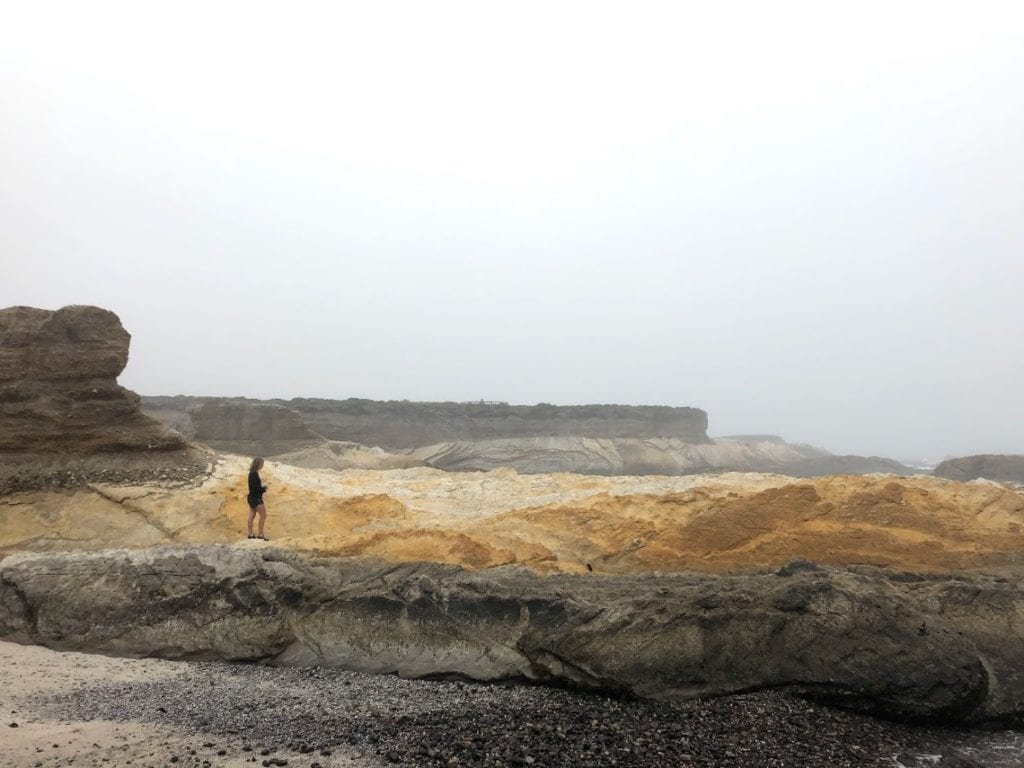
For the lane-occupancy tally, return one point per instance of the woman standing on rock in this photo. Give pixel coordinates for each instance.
(255, 498)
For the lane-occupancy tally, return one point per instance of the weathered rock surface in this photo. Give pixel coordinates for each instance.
(251, 429)
(908, 647)
(998, 467)
(58, 389)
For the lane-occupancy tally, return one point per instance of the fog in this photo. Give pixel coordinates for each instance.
(804, 218)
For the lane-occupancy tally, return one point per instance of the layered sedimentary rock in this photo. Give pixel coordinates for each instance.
(651, 456)
(998, 467)
(396, 425)
(918, 648)
(63, 417)
(251, 429)
(58, 385)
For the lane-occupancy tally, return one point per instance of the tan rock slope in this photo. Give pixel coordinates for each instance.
(550, 523)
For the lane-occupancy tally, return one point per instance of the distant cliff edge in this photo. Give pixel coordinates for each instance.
(402, 425)
(480, 436)
(999, 467)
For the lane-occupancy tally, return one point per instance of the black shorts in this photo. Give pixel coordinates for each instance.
(254, 501)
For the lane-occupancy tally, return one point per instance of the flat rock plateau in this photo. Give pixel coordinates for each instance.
(403, 614)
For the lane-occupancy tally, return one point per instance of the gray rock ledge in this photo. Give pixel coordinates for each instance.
(904, 646)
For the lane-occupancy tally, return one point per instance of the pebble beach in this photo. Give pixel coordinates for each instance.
(71, 709)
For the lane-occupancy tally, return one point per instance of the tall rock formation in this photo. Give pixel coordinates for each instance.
(63, 417)
(58, 385)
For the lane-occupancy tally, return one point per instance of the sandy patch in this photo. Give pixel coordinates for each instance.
(29, 738)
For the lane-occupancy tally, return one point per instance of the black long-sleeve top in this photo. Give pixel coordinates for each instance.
(256, 486)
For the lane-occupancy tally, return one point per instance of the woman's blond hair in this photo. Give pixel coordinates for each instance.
(257, 464)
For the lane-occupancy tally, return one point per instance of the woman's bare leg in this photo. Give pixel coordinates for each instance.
(263, 518)
(252, 516)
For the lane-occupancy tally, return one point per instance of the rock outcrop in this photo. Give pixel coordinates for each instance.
(998, 467)
(906, 647)
(58, 385)
(251, 429)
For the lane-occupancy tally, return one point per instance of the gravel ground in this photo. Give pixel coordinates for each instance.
(312, 717)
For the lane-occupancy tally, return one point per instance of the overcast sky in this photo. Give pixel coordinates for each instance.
(805, 218)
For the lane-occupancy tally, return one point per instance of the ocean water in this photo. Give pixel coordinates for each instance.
(968, 749)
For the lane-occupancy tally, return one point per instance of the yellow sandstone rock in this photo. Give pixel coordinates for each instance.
(551, 523)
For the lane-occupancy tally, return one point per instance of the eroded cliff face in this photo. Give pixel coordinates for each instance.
(402, 425)
(398, 425)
